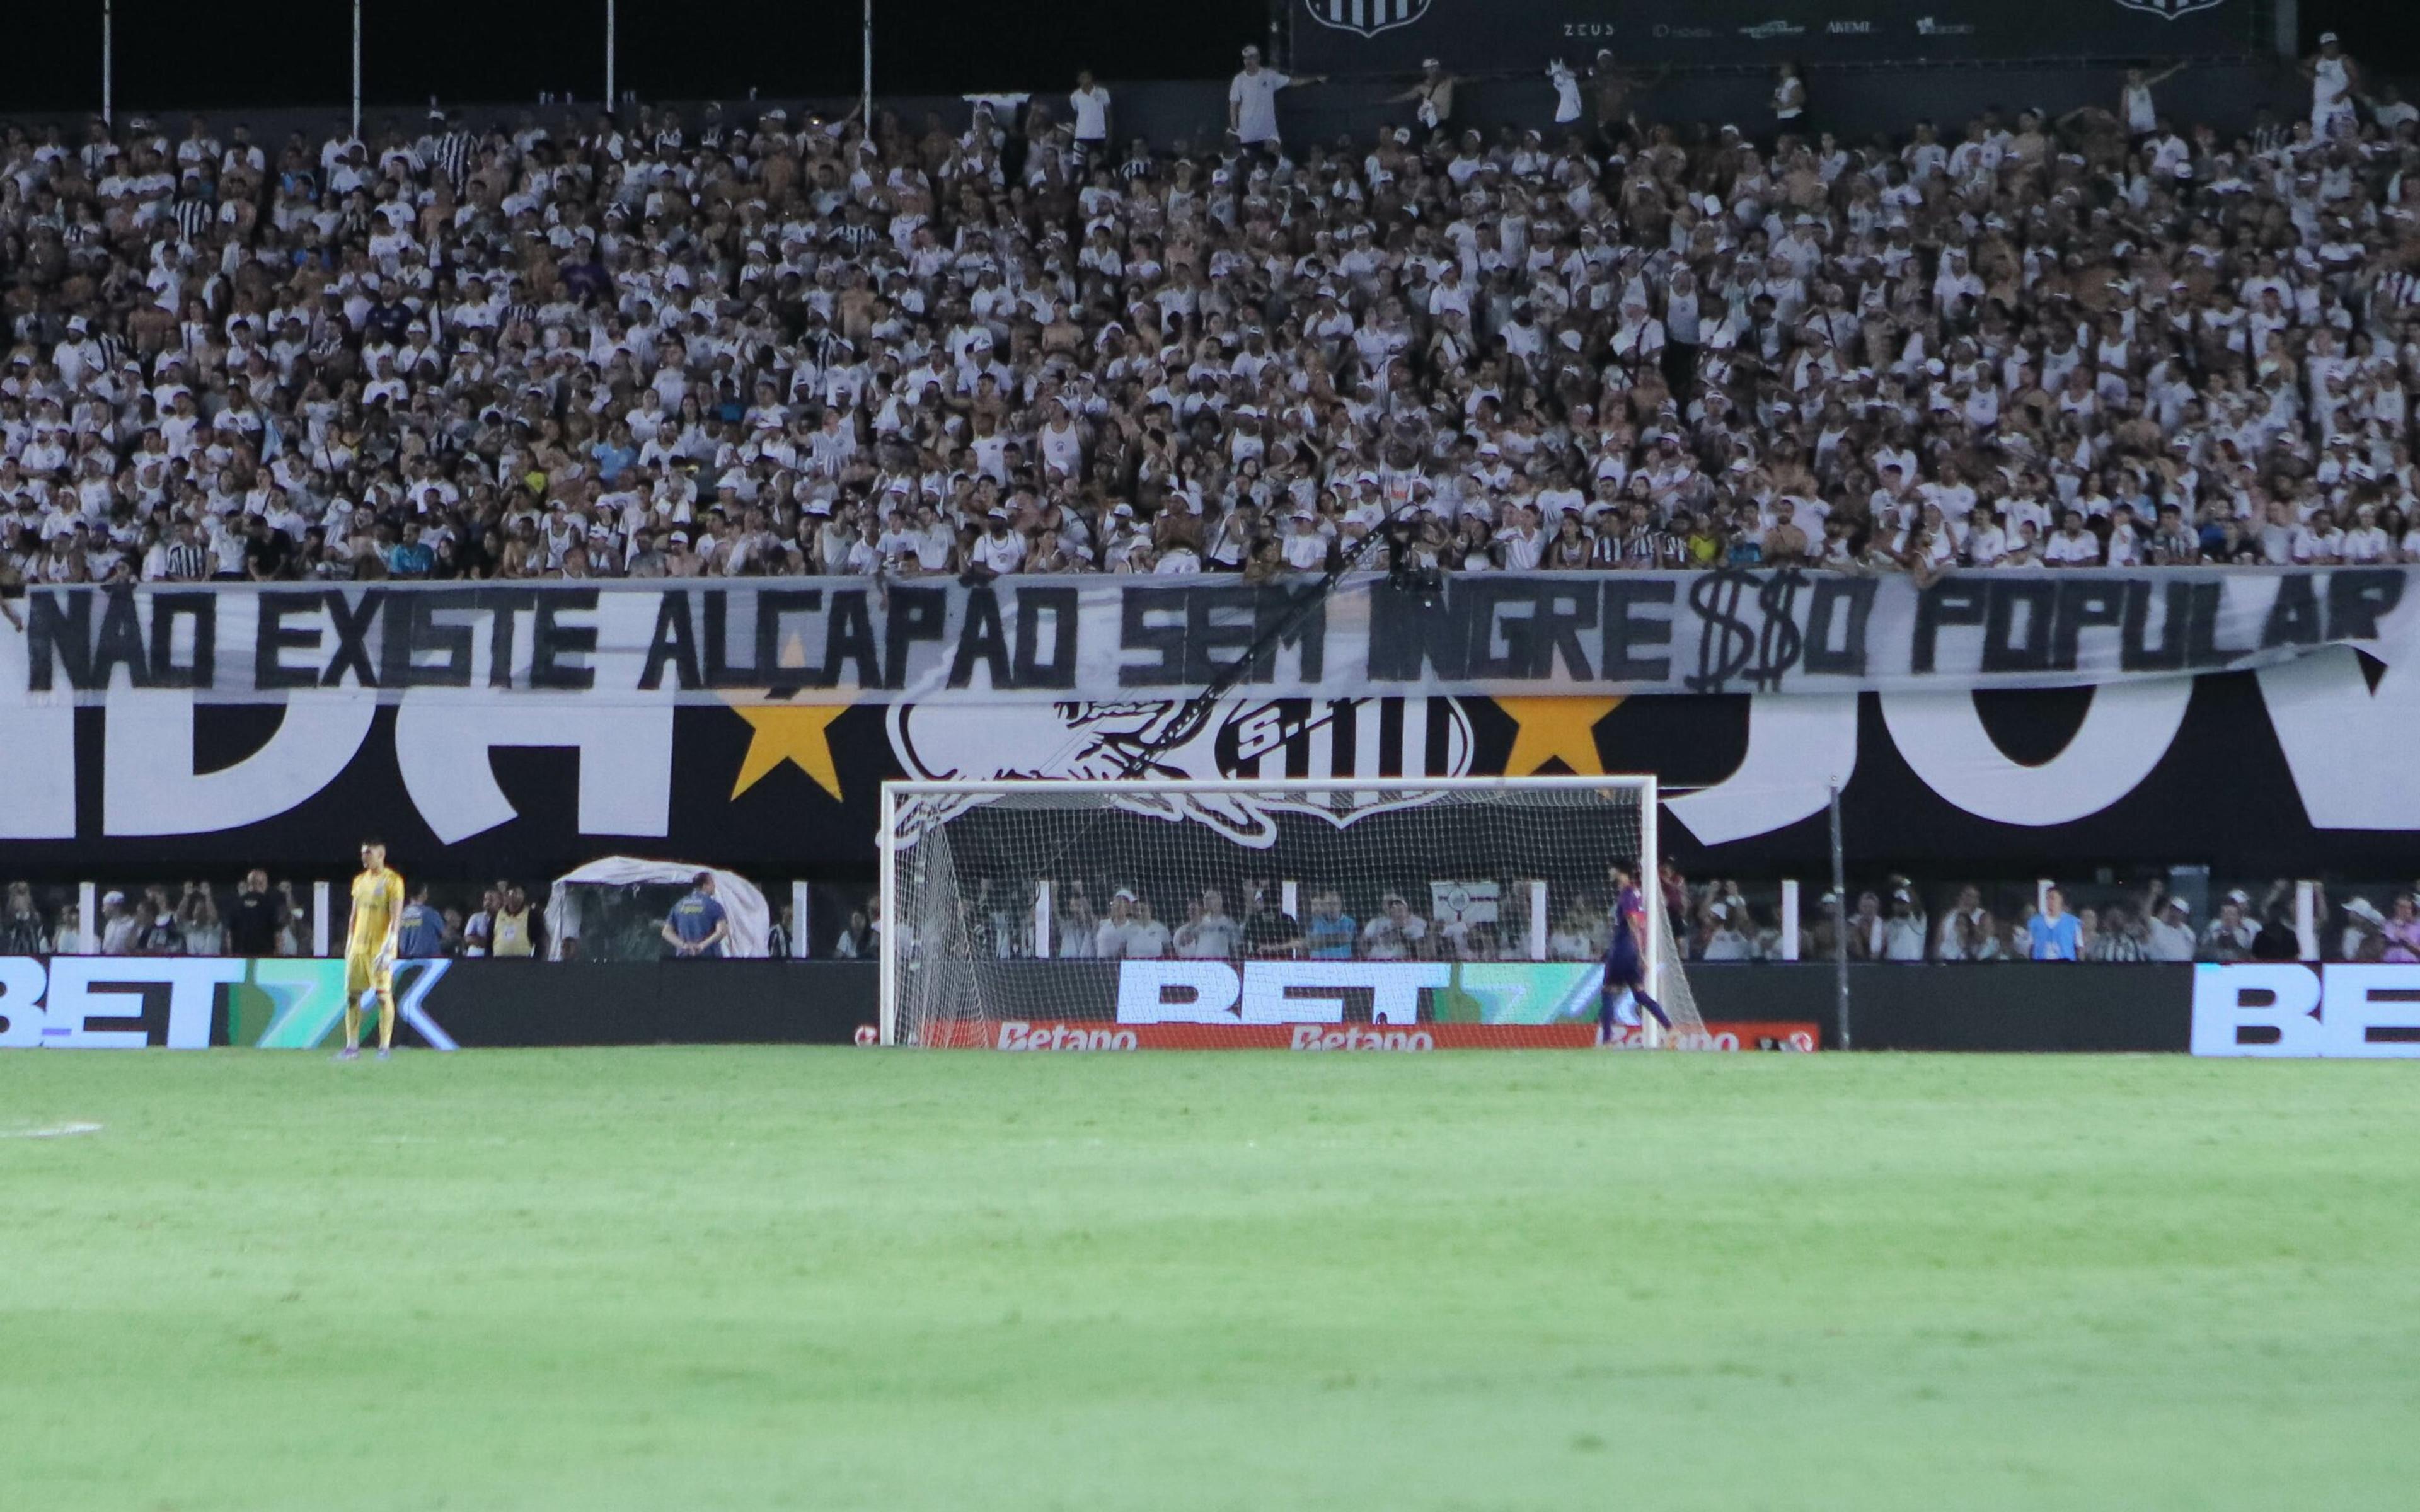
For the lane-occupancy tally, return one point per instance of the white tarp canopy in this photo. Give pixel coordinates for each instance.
(742, 904)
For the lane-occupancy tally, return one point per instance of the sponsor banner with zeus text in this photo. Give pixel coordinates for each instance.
(2283, 1009)
(1362, 38)
(438, 652)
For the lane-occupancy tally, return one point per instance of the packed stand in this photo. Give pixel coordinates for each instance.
(1721, 921)
(257, 917)
(670, 346)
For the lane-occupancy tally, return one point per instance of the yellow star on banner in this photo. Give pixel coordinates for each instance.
(1556, 729)
(789, 733)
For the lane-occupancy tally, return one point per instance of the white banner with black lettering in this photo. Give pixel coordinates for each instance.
(1101, 639)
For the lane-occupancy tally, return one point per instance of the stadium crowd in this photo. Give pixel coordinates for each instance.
(660, 345)
(255, 917)
(1714, 921)
(1723, 920)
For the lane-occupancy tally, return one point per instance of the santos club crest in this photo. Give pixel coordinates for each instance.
(1267, 740)
(1368, 18)
(2170, 9)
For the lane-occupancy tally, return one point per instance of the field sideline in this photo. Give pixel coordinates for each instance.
(748, 1279)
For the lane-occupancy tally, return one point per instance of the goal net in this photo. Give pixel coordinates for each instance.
(1093, 914)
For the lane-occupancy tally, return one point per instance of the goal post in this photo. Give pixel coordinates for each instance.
(1042, 914)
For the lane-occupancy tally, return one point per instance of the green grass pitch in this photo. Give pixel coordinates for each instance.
(747, 1278)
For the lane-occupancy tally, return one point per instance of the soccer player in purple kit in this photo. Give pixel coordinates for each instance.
(1626, 961)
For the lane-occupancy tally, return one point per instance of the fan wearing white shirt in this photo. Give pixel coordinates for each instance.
(1986, 542)
(1091, 104)
(2073, 545)
(2366, 543)
(1524, 542)
(2319, 543)
(998, 549)
(2125, 539)
(1122, 935)
(1252, 100)
(1306, 548)
(1954, 498)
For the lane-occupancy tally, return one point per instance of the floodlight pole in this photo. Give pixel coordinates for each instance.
(610, 33)
(1839, 924)
(865, 78)
(357, 68)
(108, 58)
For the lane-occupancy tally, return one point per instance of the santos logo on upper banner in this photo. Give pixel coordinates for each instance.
(2171, 10)
(1243, 736)
(1366, 18)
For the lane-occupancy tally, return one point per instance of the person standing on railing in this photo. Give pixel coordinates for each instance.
(1252, 102)
(1433, 94)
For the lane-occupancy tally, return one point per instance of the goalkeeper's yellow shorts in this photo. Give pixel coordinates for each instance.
(364, 971)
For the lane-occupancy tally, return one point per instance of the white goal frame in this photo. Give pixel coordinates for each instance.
(894, 792)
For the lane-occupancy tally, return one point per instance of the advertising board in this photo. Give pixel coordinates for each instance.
(2367, 1011)
(1062, 1034)
(1361, 38)
(1324, 1005)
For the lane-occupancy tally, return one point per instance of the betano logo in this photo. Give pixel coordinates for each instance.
(2367, 1011)
(1016, 1035)
(1352, 1036)
(1274, 991)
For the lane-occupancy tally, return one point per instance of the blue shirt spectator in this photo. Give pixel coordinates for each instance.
(2054, 932)
(420, 934)
(696, 926)
(409, 559)
(1330, 933)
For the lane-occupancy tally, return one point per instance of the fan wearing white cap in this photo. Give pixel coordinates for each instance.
(2336, 79)
(1433, 94)
(1122, 934)
(2167, 927)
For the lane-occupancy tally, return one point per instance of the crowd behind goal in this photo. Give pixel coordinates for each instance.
(1717, 921)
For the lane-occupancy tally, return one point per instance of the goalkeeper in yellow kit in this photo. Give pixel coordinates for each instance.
(369, 949)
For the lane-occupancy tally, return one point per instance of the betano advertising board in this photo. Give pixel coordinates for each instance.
(190, 1003)
(2337, 1010)
(1321, 1006)
(2360, 1011)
